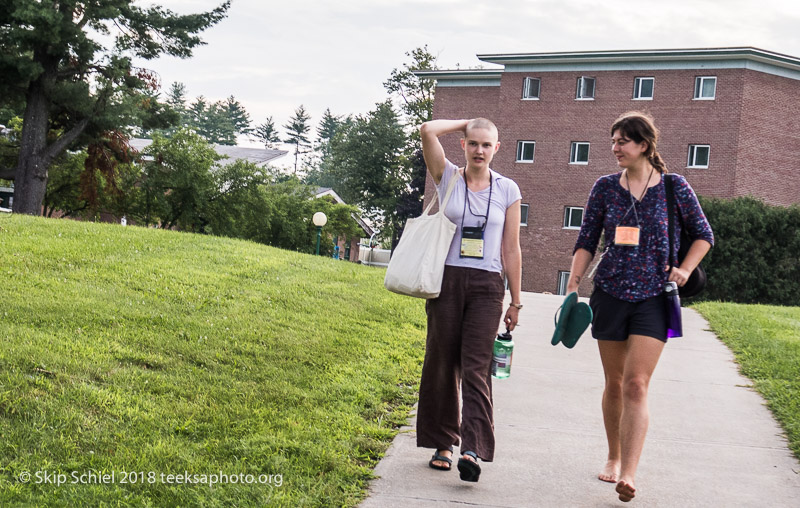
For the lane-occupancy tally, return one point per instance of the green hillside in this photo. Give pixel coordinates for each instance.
(145, 353)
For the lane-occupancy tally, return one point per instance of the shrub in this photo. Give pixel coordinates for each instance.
(756, 257)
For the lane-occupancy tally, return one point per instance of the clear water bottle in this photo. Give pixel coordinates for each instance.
(673, 302)
(501, 355)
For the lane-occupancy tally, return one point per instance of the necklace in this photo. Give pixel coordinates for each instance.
(467, 203)
(644, 191)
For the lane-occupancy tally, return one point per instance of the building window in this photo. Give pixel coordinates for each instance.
(705, 88)
(579, 153)
(523, 214)
(585, 88)
(525, 151)
(573, 216)
(530, 88)
(643, 89)
(563, 278)
(698, 156)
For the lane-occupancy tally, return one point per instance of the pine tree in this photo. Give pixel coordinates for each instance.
(198, 117)
(176, 99)
(327, 129)
(268, 134)
(297, 133)
(238, 117)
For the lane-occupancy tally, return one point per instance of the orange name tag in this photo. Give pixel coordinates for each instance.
(627, 236)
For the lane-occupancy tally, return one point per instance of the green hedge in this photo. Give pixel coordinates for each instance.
(756, 256)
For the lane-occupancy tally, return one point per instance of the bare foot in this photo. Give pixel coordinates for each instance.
(610, 472)
(626, 491)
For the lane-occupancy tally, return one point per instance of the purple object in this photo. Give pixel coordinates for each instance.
(673, 310)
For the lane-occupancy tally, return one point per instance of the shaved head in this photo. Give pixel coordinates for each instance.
(482, 123)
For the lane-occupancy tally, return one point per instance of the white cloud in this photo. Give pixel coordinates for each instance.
(274, 56)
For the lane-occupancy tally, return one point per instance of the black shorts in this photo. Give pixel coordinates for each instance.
(616, 319)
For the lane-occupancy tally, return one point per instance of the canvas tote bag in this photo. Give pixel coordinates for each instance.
(417, 265)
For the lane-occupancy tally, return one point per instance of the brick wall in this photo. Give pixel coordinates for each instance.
(769, 137)
(749, 106)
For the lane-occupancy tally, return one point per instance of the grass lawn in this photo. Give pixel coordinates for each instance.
(148, 353)
(766, 342)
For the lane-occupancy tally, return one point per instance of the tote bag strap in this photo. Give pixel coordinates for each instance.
(450, 187)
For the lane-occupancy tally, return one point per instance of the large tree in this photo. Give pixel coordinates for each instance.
(368, 165)
(54, 58)
(177, 182)
(415, 96)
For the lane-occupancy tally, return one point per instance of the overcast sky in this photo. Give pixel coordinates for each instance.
(275, 55)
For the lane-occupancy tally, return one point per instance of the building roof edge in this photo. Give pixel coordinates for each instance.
(460, 74)
(695, 54)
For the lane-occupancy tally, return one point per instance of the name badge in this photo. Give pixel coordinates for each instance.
(626, 236)
(472, 242)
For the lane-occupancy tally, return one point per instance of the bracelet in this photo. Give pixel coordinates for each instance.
(517, 305)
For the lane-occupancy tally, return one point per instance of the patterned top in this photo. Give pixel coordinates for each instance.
(636, 273)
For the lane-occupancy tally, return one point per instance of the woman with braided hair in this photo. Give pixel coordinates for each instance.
(628, 301)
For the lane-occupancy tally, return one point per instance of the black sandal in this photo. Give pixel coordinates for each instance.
(469, 471)
(441, 458)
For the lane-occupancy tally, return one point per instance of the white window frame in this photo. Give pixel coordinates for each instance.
(699, 81)
(526, 95)
(567, 224)
(563, 280)
(573, 152)
(523, 217)
(521, 150)
(637, 88)
(581, 94)
(692, 158)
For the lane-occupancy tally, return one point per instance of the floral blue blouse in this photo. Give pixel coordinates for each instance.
(636, 273)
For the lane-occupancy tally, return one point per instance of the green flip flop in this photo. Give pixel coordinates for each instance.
(571, 320)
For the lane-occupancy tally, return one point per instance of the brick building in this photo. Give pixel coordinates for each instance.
(729, 121)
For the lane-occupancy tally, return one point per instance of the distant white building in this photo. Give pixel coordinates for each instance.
(258, 156)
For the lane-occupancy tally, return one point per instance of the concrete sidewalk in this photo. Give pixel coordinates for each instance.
(711, 442)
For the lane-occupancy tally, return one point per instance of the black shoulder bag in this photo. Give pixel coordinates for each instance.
(697, 280)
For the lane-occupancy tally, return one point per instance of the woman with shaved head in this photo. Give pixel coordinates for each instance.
(463, 320)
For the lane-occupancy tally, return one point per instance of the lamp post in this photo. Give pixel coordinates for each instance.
(319, 219)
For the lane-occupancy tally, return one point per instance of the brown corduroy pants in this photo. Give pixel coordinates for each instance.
(462, 324)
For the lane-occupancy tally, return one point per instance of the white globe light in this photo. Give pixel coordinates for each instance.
(320, 219)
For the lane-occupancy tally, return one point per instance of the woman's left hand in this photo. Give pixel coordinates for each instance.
(679, 276)
(512, 318)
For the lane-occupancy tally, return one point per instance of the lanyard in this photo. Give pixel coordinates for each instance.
(633, 203)
(466, 202)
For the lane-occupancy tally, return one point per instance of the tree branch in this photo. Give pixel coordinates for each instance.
(74, 71)
(65, 140)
